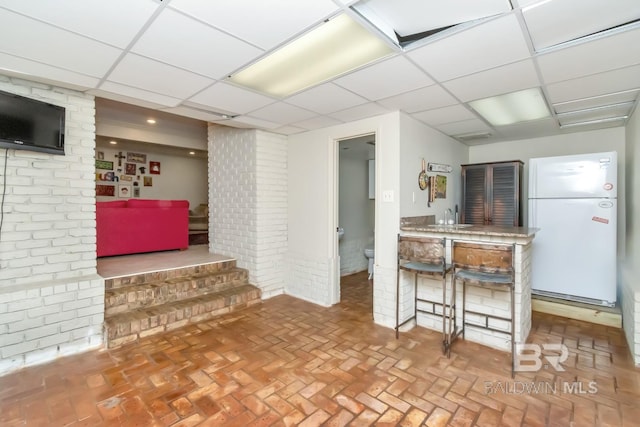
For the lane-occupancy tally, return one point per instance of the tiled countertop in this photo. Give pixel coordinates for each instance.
(482, 230)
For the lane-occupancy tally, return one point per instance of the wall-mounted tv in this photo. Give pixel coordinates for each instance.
(28, 124)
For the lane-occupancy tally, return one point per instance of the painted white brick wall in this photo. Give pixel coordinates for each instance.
(352, 259)
(308, 279)
(248, 202)
(51, 299)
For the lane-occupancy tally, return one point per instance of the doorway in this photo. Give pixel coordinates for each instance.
(356, 205)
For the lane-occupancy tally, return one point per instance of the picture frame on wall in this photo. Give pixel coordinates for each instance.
(130, 168)
(105, 190)
(104, 164)
(136, 157)
(148, 181)
(154, 168)
(136, 192)
(124, 191)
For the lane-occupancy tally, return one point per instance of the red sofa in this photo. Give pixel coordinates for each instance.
(138, 225)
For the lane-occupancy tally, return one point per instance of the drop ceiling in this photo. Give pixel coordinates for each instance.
(176, 56)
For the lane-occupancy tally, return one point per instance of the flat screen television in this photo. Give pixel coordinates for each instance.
(28, 124)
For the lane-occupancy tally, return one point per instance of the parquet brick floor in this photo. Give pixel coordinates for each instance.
(288, 362)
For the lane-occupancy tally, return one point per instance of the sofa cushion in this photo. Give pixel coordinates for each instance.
(154, 204)
(112, 204)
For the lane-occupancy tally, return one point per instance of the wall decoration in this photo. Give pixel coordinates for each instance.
(148, 181)
(136, 191)
(99, 155)
(120, 156)
(126, 178)
(154, 168)
(136, 158)
(130, 168)
(441, 187)
(105, 190)
(142, 169)
(124, 190)
(104, 164)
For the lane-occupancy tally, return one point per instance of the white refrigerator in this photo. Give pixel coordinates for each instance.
(573, 201)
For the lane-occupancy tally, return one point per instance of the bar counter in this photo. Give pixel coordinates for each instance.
(477, 299)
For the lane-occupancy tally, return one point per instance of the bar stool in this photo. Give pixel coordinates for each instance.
(488, 266)
(422, 256)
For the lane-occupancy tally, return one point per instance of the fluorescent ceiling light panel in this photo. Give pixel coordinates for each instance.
(510, 108)
(334, 48)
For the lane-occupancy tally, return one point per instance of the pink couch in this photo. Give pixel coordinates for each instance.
(138, 225)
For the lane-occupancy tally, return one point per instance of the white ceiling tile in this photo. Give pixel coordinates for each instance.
(454, 113)
(262, 23)
(505, 79)
(255, 122)
(384, 79)
(135, 93)
(154, 76)
(186, 43)
(426, 98)
(31, 69)
(231, 98)
(482, 47)
(70, 51)
(282, 113)
(195, 113)
(554, 22)
(326, 98)
(288, 130)
(95, 14)
(317, 122)
(359, 112)
(462, 127)
(599, 84)
(608, 53)
(408, 17)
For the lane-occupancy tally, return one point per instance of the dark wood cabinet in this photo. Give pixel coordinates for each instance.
(492, 193)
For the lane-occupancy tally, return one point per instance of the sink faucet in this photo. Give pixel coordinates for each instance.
(448, 214)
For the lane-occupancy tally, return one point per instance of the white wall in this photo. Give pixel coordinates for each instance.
(51, 299)
(422, 142)
(313, 255)
(180, 178)
(631, 265)
(356, 210)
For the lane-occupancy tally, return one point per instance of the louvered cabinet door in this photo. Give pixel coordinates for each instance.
(474, 195)
(504, 202)
(491, 194)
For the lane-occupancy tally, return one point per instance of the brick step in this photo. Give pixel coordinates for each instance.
(128, 327)
(122, 299)
(159, 276)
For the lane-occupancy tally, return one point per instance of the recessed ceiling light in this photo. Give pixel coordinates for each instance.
(192, 153)
(335, 47)
(514, 107)
(113, 142)
(151, 121)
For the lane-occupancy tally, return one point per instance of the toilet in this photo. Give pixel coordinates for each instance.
(369, 252)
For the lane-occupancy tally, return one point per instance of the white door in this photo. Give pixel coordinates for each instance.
(574, 253)
(584, 175)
